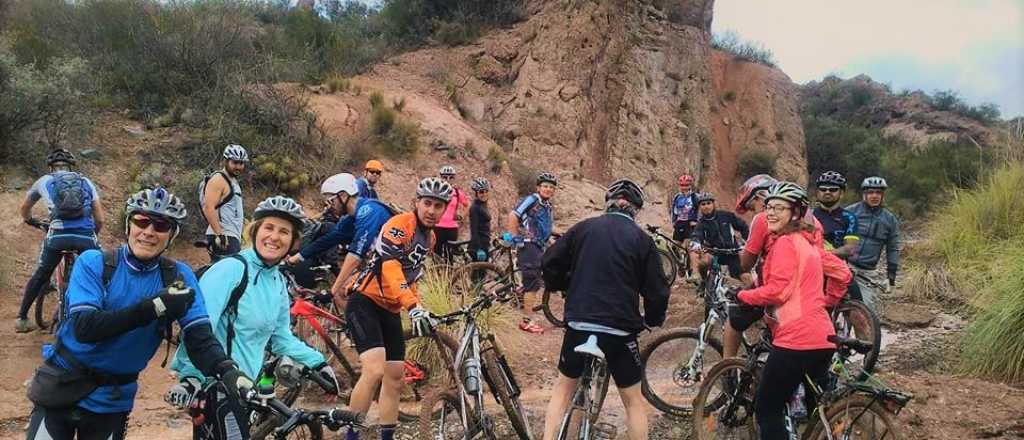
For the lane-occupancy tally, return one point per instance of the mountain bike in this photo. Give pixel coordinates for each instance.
(676, 361)
(469, 279)
(264, 423)
(303, 423)
(675, 257)
(53, 310)
(459, 412)
(848, 408)
(580, 421)
(314, 322)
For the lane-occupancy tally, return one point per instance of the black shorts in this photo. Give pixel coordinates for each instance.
(621, 352)
(733, 263)
(682, 231)
(371, 326)
(530, 257)
(742, 316)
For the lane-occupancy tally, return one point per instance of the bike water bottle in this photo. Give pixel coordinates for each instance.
(471, 375)
(797, 408)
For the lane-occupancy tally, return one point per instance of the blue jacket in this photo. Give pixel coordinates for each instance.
(365, 190)
(878, 229)
(683, 208)
(262, 316)
(536, 219)
(129, 352)
(359, 230)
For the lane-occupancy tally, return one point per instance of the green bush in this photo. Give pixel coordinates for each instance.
(393, 136)
(453, 33)
(950, 100)
(382, 120)
(920, 178)
(376, 99)
(524, 176)
(753, 52)
(755, 161)
(495, 159)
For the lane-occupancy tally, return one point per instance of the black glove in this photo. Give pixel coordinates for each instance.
(236, 383)
(174, 301)
(733, 294)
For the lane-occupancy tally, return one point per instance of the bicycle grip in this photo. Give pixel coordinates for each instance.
(344, 416)
(319, 380)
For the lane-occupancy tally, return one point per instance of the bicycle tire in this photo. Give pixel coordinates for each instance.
(662, 397)
(869, 330)
(330, 347)
(572, 422)
(52, 310)
(435, 408)
(841, 413)
(470, 279)
(499, 377)
(553, 306)
(669, 266)
(728, 371)
(436, 364)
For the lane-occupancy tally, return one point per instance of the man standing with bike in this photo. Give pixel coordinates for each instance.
(717, 229)
(606, 264)
(75, 216)
(879, 230)
(371, 176)
(530, 224)
(120, 307)
(839, 226)
(683, 212)
(385, 287)
(220, 197)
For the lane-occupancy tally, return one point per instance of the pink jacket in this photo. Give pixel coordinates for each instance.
(793, 296)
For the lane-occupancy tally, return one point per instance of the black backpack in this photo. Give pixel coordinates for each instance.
(231, 310)
(202, 188)
(70, 195)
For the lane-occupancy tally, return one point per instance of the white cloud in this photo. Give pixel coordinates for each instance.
(977, 45)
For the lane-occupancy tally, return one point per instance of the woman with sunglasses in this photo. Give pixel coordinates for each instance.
(261, 313)
(116, 305)
(794, 301)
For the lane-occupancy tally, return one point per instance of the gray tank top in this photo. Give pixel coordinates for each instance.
(231, 214)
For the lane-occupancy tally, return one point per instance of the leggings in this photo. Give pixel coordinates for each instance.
(783, 372)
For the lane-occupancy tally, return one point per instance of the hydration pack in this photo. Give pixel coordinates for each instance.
(70, 195)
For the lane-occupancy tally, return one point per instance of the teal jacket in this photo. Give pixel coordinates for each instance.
(262, 316)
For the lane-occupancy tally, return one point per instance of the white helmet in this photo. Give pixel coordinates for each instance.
(236, 152)
(874, 182)
(337, 183)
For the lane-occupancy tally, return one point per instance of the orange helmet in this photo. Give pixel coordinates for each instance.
(374, 165)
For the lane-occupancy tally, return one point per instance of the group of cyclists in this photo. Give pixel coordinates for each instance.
(120, 302)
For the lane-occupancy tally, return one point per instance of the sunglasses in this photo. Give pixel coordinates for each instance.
(777, 209)
(447, 176)
(375, 172)
(160, 225)
(828, 189)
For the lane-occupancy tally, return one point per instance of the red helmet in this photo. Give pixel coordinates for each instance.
(750, 189)
(686, 179)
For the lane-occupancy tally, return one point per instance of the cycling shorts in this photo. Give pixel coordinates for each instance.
(371, 326)
(733, 263)
(621, 352)
(681, 231)
(742, 316)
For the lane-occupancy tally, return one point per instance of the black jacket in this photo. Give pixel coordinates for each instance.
(605, 264)
(479, 226)
(717, 230)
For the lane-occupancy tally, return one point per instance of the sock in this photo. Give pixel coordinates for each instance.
(352, 434)
(387, 432)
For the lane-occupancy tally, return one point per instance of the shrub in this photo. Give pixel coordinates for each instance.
(730, 42)
(337, 83)
(376, 99)
(950, 100)
(755, 161)
(382, 120)
(453, 33)
(524, 176)
(401, 141)
(495, 159)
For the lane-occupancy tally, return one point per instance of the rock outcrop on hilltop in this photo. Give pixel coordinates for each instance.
(596, 90)
(907, 116)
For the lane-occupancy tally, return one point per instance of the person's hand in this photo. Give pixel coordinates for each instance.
(732, 294)
(184, 393)
(423, 322)
(220, 242)
(481, 255)
(236, 382)
(293, 260)
(459, 218)
(507, 236)
(327, 373)
(173, 301)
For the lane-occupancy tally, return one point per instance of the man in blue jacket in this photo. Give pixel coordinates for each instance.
(878, 229)
(118, 306)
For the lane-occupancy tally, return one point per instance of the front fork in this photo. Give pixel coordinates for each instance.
(695, 368)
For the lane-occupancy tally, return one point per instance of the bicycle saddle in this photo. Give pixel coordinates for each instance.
(590, 348)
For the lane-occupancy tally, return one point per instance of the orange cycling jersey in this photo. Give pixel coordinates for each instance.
(396, 263)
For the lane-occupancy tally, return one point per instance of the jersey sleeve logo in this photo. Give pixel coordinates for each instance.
(396, 233)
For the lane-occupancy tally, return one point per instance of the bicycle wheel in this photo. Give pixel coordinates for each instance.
(579, 422)
(264, 423)
(471, 279)
(669, 266)
(47, 313)
(857, 417)
(724, 406)
(855, 319)
(666, 382)
(331, 346)
(428, 360)
(553, 305)
(441, 417)
(499, 378)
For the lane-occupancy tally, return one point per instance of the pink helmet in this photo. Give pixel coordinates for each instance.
(686, 179)
(749, 190)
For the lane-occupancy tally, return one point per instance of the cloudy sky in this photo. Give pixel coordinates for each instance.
(973, 46)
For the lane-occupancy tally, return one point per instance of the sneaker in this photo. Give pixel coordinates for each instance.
(527, 325)
(23, 325)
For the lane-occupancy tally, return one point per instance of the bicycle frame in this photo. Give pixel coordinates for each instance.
(583, 401)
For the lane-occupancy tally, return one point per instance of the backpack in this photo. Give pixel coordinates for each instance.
(231, 309)
(202, 188)
(70, 195)
(168, 275)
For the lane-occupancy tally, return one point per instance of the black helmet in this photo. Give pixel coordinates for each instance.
(60, 155)
(626, 189)
(830, 178)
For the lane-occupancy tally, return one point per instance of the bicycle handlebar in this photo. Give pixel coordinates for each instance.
(38, 224)
(483, 301)
(334, 419)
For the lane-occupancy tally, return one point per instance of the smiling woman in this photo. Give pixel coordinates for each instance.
(276, 228)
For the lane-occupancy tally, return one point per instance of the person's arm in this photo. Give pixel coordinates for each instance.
(348, 267)
(778, 287)
(741, 226)
(284, 342)
(655, 289)
(758, 234)
(201, 353)
(90, 321)
(516, 216)
(26, 208)
(557, 262)
(837, 277)
(342, 232)
(892, 251)
(216, 188)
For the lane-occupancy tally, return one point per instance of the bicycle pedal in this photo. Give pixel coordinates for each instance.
(605, 431)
